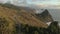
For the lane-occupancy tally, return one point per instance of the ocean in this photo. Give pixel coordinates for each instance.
(55, 14)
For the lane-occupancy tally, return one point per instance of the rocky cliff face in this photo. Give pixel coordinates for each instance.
(45, 16)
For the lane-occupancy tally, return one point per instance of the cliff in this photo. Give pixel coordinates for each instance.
(45, 16)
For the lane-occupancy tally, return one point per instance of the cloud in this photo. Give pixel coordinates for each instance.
(42, 3)
(3, 1)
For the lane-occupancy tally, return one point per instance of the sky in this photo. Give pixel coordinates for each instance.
(46, 3)
(49, 2)
(52, 2)
(42, 3)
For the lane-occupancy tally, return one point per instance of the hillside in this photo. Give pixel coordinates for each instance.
(15, 14)
(23, 20)
(18, 16)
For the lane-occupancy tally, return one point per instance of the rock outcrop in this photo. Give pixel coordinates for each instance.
(45, 16)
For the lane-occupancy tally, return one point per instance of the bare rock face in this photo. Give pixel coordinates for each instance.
(45, 16)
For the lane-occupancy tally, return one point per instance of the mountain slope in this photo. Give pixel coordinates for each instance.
(21, 16)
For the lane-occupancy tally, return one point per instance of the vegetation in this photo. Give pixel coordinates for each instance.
(52, 29)
(25, 29)
(10, 6)
(5, 26)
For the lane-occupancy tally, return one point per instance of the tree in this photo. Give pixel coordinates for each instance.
(54, 28)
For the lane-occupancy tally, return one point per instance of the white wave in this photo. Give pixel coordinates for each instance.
(48, 23)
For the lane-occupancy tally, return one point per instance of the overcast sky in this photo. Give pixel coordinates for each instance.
(41, 3)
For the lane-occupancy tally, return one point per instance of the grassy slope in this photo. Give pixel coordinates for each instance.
(19, 16)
